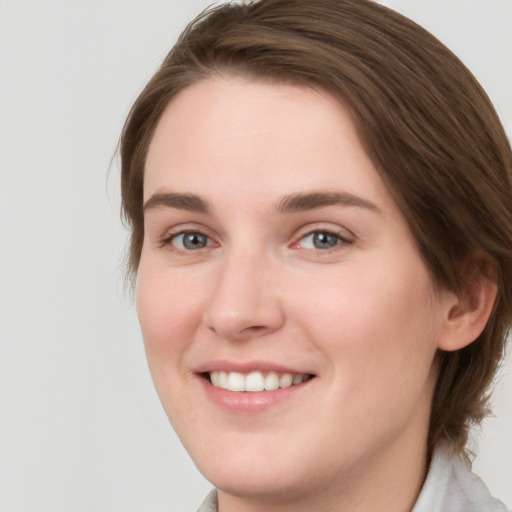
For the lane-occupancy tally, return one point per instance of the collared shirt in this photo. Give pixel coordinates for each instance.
(450, 487)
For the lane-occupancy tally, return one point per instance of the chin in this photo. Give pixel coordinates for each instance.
(258, 481)
(255, 466)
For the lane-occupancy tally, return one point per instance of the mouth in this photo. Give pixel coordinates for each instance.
(255, 381)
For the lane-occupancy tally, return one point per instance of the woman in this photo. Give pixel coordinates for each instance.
(319, 195)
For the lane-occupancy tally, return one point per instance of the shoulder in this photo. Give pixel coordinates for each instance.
(452, 486)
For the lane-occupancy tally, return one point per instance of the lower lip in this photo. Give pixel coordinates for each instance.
(250, 402)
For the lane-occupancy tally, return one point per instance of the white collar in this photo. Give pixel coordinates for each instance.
(452, 487)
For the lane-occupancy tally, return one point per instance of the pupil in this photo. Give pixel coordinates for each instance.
(194, 241)
(324, 240)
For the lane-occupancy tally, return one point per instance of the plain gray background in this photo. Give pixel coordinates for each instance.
(81, 428)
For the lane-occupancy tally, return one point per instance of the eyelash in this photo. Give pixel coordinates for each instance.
(340, 242)
(171, 237)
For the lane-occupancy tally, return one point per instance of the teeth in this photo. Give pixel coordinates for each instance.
(297, 379)
(236, 381)
(286, 380)
(255, 381)
(215, 378)
(223, 380)
(271, 381)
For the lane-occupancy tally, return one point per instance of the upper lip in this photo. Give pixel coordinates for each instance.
(247, 367)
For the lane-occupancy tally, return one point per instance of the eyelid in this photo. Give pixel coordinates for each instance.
(170, 234)
(173, 240)
(344, 235)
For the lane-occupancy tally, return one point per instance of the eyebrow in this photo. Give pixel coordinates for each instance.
(288, 204)
(310, 201)
(190, 202)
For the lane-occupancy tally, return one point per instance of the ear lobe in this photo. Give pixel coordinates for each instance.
(468, 312)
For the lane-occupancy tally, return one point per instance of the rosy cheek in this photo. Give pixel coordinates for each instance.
(167, 315)
(152, 310)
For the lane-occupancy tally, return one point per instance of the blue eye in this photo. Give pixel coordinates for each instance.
(320, 240)
(190, 241)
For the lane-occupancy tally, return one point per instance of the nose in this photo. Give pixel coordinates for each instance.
(245, 302)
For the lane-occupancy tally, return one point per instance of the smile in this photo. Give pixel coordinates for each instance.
(255, 381)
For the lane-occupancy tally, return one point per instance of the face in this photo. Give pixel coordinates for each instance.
(289, 322)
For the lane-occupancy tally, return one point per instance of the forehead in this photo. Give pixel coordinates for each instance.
(259, 137)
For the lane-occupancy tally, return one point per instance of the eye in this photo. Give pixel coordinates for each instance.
(321, 240)
(190, 241)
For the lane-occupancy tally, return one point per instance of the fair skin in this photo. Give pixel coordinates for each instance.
(273, 248)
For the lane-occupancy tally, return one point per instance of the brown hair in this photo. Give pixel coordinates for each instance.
(425, 121)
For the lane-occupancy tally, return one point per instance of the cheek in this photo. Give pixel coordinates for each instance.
(167, 315)
(168, 318)
(377, 327)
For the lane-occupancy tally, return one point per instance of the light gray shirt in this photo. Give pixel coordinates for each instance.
(450, 487)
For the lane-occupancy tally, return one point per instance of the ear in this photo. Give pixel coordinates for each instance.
(466, 313)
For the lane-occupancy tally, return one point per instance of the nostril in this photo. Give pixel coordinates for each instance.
(244, 331)
(241, 316)
(254, 328)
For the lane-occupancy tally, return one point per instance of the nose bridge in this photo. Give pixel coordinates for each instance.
(245, 300)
